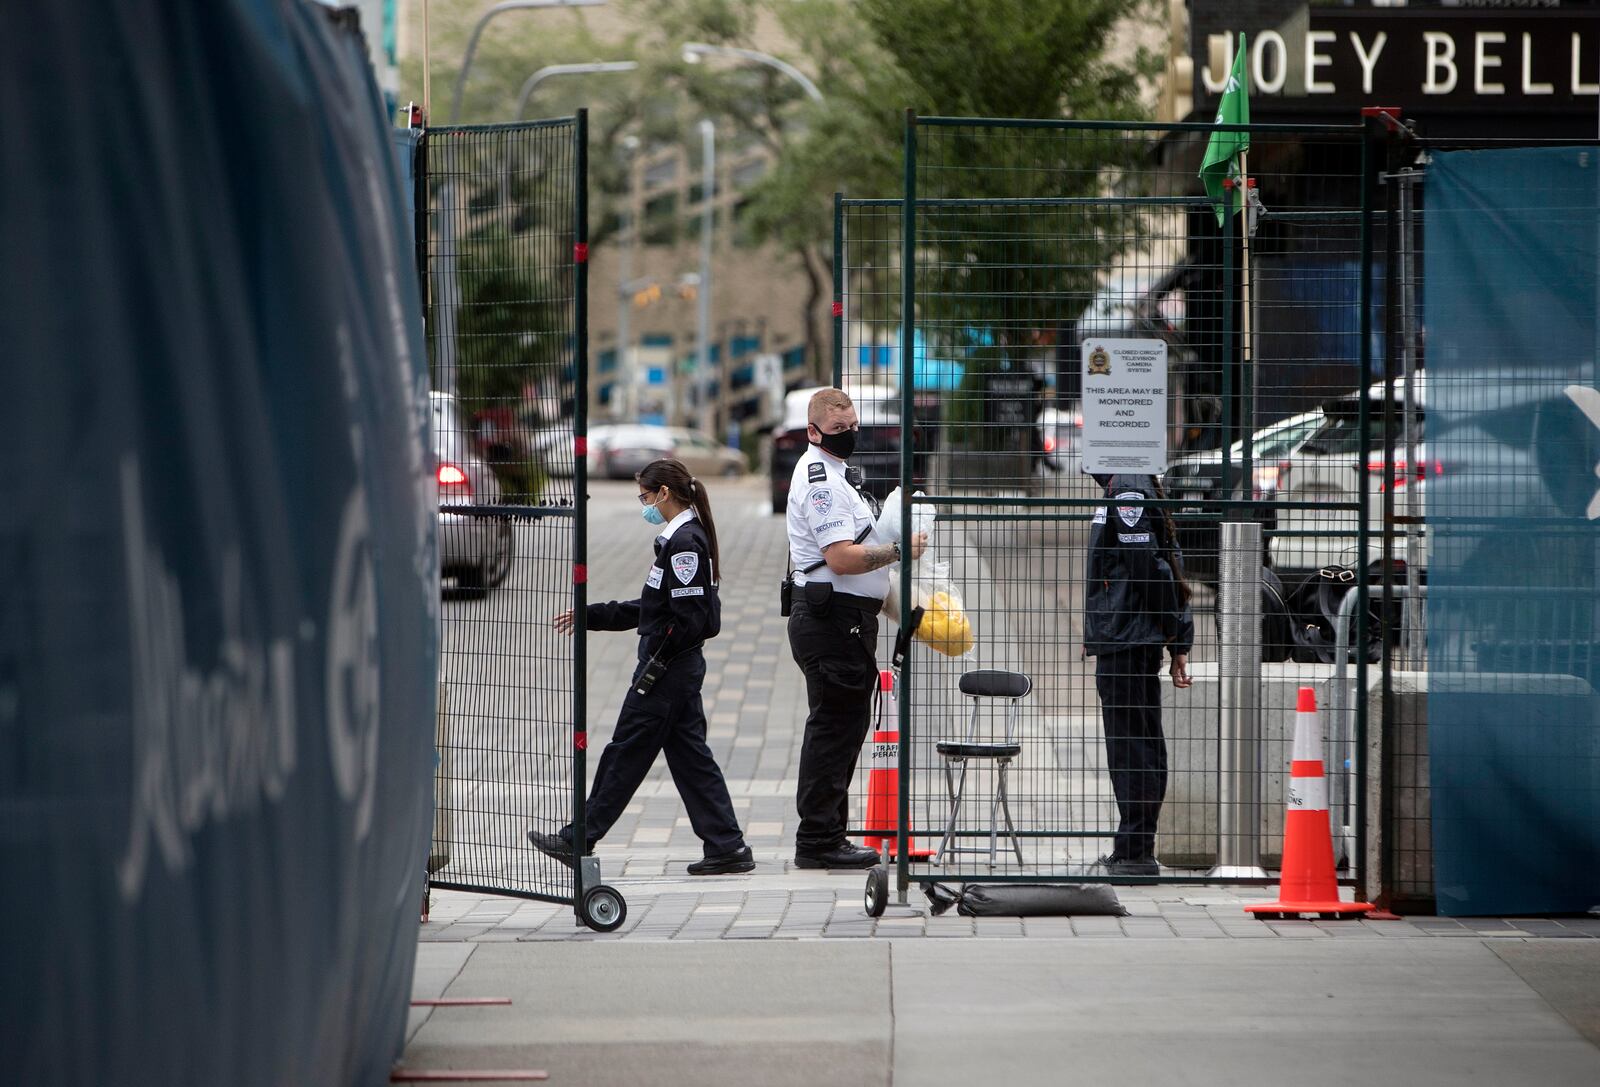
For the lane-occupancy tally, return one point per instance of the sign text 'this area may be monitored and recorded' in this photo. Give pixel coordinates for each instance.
(1124, 407)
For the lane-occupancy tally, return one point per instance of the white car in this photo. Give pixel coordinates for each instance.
(1326, 468)
(475, 546)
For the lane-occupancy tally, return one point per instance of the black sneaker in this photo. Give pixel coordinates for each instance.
(552, 845)
(722, 864)
(1134, 866)
(848, 855)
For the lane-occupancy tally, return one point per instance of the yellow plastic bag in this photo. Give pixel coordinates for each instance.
(945, 626)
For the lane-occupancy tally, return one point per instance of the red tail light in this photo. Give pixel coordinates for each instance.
(1403, 473)
(452, 478)
(794, 439)
(1271, 479)
(1049, 443)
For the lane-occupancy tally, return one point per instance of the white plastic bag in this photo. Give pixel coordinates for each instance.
(889, 518)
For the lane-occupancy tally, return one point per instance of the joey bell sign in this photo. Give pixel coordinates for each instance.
(1425, 60)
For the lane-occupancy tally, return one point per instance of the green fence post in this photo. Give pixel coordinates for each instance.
(838, 290)
(908, 331)
(580, 526)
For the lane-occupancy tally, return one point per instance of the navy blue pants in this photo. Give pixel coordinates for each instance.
(1129, 684)
(669, 719)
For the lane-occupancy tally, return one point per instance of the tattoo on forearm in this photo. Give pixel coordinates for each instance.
(878, 557)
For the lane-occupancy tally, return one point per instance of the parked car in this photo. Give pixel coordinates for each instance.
(552, 448)
(630, 447)
(877, 449)
(1326, 468)
(1198, 477)
(475, 547)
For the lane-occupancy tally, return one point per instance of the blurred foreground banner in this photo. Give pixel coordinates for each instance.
(218, 640)
(1513, 385)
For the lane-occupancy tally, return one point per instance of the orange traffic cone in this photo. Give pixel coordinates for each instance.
(883, 777)
(1307, 883)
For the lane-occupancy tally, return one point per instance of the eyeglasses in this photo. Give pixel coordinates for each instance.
(647, 498)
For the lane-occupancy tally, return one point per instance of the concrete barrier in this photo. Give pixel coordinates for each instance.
(1188, 835)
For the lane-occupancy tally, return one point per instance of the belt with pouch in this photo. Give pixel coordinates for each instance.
(821, 593)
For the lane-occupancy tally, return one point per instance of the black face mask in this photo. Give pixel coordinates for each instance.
(841, 445)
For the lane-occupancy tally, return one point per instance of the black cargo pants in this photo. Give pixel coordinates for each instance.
(1129, 684)
(836, 649)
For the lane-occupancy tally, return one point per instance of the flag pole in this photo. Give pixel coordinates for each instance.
(1247, 417)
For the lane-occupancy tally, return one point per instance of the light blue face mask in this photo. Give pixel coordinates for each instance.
(652, 516)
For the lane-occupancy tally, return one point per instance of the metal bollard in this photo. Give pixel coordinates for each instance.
(1239, 670)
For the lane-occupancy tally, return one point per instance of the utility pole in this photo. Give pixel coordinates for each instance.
(708, 187)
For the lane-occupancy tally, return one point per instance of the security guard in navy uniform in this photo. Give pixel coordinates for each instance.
(1137, 606)
(840, 580)
(676, 613)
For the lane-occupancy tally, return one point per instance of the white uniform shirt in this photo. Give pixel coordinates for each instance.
(824, 509)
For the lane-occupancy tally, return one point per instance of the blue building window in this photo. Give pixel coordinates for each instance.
(607, 361)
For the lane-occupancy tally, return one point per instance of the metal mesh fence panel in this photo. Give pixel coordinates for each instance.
(1029, 243)
(505, 245)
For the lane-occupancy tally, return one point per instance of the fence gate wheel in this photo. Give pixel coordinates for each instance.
(877, 896)
(604, 909)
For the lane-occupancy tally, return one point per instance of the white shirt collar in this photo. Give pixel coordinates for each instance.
(676, 523)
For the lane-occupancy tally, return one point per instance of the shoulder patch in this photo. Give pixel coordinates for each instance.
(1130, 514)
(1099, 516)
(1134, 537)
(685, 564)
(693, 590)
(816, 472)
(654, 578)
(822, 500)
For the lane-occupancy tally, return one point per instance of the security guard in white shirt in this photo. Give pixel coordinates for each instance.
(841, 577)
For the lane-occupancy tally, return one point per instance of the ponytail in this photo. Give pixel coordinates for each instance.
(702, 510)
(1169, 545)
(675, 477)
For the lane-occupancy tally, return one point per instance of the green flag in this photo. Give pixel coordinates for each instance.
(1222, 153)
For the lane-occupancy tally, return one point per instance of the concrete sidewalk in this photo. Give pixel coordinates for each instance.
(1045, 1011)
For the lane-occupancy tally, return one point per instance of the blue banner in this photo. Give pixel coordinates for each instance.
(1513, 403)
(218, 638)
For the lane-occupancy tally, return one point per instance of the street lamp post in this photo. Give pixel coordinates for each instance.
(693, 51)
(449, 290)
(626, 375)
(549, 70)
(477, 32)
(692, 54)
(708, 188)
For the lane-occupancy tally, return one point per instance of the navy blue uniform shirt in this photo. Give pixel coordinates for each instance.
(678, 608)
(1132, 595)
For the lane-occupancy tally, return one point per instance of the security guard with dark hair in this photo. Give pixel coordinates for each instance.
(840, 582)
(677, 611)
(1137, 606)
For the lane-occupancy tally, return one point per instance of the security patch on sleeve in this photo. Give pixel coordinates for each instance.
(816, 472)
(1130, 514)
(654, 580)
(693, 590)
(685, 564)
(1134, 537)
(822, 501)
(1100, 516)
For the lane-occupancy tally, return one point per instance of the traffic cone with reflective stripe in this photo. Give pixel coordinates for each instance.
(1307, 883)
(883, 777)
